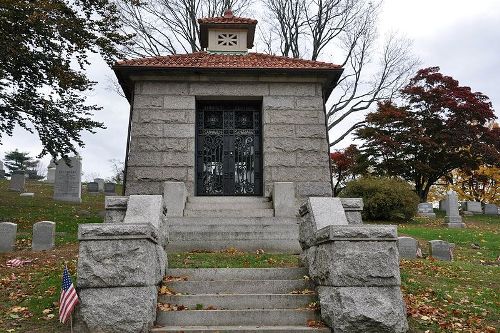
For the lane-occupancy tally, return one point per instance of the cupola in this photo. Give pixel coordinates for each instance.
(227, 34)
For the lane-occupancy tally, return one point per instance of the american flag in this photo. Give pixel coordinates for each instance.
(68, 299)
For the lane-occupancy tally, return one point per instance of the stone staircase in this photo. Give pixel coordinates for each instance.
(220, 300)
(246, 223)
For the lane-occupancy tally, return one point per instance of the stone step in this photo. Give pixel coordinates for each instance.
(211, 274)
(239, 329)
(230, 213)
(269, 245)
(221, 199)
(257, 317)
(228, 205)
(231, 220)
(239, 286)
(230, 236)
(234, 228)
(239, 302)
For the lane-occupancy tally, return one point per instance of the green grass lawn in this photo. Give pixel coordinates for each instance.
(458, 296)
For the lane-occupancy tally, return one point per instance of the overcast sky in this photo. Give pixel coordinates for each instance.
(462, 37)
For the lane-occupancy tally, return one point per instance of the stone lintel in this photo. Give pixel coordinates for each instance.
(114, 231)
(223, 77)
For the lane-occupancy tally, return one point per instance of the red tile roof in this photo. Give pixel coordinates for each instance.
(228, 18)
(207, 60)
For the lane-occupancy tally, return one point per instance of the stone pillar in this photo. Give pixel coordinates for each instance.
(353, 208)
(452, 218)
(284, 199)
(120, 266)
(174, 198)
(356, 271)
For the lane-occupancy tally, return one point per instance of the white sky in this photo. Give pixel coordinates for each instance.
(462, 37)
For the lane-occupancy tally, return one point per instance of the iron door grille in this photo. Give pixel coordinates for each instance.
(228, 148)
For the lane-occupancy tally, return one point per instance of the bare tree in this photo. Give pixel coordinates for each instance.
(371, 73)
(162, 27)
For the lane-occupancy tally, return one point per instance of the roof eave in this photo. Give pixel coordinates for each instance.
(123, 73)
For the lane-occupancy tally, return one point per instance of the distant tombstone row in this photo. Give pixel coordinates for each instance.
(44, 234)
(491, 209)
(98, 185)
(438, 249)
(425, 210)
(68, 180)
(472, 207)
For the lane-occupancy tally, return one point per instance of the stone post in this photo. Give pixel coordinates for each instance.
(120, 266)
(284, 199)
(174, 198)
(356, 271)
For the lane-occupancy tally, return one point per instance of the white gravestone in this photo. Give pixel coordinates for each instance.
(2, 171)
(7, 236)
(68, 183)
(44, 236)
(425, 209)
(51, 172)
(473, 207)
(408, 247)
(441, 250)
(452, 218)
(100, 183)
(490, 209)
(17, 182)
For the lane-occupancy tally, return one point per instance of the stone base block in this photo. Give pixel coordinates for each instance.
(452, 219)
(116, 310)
(431, 215)
(363, 309)
(284, 199)
(354, 263)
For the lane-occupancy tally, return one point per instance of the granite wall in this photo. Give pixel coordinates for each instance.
(162, 146)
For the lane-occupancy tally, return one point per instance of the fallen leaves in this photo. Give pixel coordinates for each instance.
(303, 292)
(171, 307)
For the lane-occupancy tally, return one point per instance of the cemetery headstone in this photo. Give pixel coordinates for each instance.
(2, 171)
(110, 188)
(452, 218)
(68, 182)
(51, 172)
(93, 188)
(27, 194)
(441, 250)
(7, 236)
(473, 207)
(408, 247)
(490, 209)
(100, 182)
(425, 209)
(44, 234)
(17, 182)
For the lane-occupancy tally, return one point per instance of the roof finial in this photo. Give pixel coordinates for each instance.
(228, 13)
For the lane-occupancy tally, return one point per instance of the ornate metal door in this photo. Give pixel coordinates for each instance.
(228, 148)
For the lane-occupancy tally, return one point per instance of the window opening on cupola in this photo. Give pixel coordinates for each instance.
(227, 39)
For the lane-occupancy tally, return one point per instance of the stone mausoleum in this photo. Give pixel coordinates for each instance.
(224, 146)
(225, 121)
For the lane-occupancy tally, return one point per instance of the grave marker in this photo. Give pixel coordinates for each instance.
(17, 182)
(68, 182)
(2, 171)
(441, 250)
(452, 218)
(100, 183)
(93, 188)
(44, 234)
(110, 188)
(7, 236)
(490, 209)
(473, 207)
(51, 172)
(425, 209)
(408, 247)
